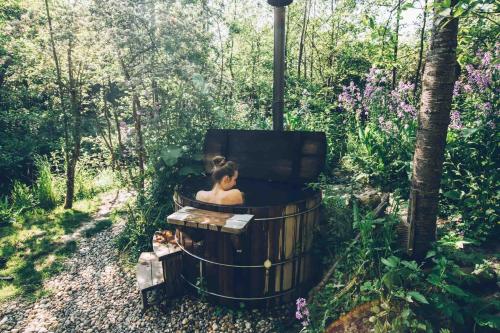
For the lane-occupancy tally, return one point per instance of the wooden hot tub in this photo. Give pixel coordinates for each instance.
(270, 263)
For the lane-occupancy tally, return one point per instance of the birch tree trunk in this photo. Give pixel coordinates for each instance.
(433, 119)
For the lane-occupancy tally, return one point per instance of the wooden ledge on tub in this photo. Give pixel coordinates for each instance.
(206, 219)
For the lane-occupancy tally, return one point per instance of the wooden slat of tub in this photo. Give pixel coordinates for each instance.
(273, 245)
(211, 271)
(290, 236)
(258, 239)
(278, 284)
(226, 273)
(299, 236)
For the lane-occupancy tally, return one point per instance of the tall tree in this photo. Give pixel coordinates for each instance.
(420, 51)
(72, 124)
(396, 44)
(433, 120)
(303, 37)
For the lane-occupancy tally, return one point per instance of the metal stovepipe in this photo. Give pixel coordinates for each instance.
(279, 62)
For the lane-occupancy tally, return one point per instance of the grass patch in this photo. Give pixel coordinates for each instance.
(30, 250)
(99, 226)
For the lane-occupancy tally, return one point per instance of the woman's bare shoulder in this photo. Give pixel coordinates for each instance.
(234, 196)
(201, 195)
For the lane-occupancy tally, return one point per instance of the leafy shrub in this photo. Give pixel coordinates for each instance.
(382, 129)
(22, 197)
(84, 183)
(470, 180)
(45, 185)
(7, 214)
(104, 180)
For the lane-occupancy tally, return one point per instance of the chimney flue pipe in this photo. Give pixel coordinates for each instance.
(279, 61)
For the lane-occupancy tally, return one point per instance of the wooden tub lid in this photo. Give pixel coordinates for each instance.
(205, 219)
(287, 156)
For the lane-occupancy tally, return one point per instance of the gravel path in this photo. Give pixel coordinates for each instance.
(96, 294)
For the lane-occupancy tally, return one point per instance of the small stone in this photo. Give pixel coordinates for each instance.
(215, 326)
(248, 325)
(185, 321)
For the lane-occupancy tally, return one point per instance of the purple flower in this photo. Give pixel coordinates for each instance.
(405, 86)
(486, 59)
(302, 312)
(456, 89)
(350, 96)
(301, 302)
(455, 122)
(487, 106)
(481, 79)
(386, 126)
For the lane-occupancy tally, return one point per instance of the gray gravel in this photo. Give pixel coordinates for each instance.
(96, 294)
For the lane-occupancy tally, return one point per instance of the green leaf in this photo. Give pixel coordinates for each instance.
(454, 290)
(418, 297)
(390, 279)
(392, 261)
(190, 170)
(453, 194)
(488, 320)
(430, 254)
(171, 155)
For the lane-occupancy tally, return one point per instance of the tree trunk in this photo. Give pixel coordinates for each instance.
(109, 140)
(70, 184)
(420, 52)
(76, 134)
(396, 44)
(121, 146)
(433, 119)
(60, 85)
(302, 39)
(136, 113)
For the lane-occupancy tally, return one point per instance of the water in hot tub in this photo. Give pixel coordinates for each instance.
(256, 192)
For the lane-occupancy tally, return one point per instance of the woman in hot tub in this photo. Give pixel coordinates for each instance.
(224, 176)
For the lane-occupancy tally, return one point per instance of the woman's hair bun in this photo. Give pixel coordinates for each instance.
(222, 168)
(219, 161)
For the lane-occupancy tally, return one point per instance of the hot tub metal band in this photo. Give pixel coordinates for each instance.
(239, 266)
(272, 218)
(238, 298)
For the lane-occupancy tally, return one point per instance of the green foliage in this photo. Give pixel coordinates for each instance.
(138, 232)
(7, 213)
(45, 185)
(23, 197)
(470, 188)
(409, 296)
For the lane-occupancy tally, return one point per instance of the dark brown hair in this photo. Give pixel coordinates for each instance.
(222, 168)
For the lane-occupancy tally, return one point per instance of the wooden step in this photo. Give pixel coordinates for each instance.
(170, 255)
(149, 272)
